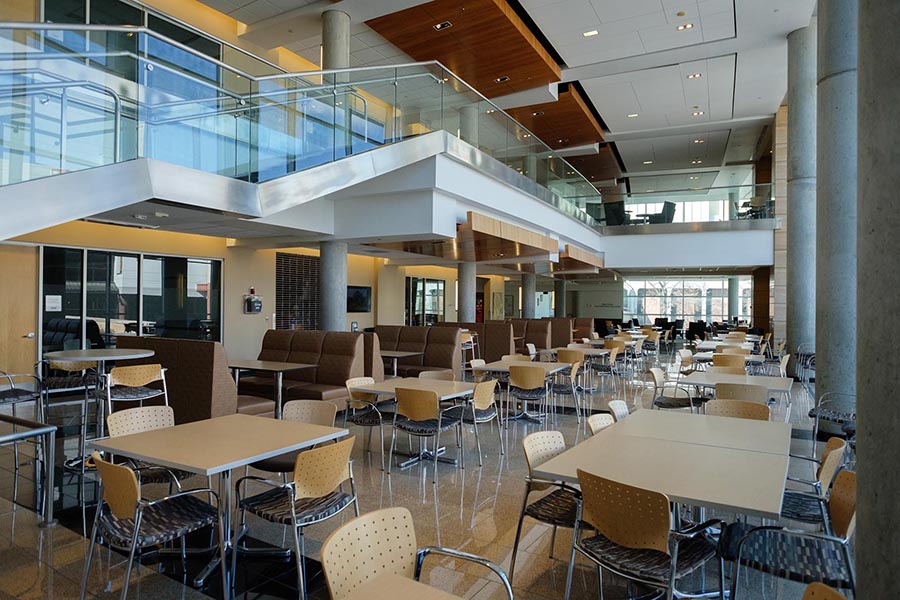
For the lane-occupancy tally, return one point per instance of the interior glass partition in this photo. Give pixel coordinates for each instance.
(425, 301)
(689, 299)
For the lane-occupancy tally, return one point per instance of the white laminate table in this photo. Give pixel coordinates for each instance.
(446, 390)
(710, 346)
(395, 355)
(716, 477)
(216, 446)
(775, 385)
(272, 366)
(755, 359)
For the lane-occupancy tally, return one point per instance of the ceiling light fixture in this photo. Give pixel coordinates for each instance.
(697, 162)
(526, 135)
(632, 115)
(685, 27)
(590, 33)
(695, 76)
(538, 113)
(648, 162)
(490, 111)
(697, 113)
(502, 79)
(443, 25)
(693, 177)
(699, 141)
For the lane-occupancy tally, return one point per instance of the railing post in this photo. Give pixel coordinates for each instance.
(63, 104)
(49, 441)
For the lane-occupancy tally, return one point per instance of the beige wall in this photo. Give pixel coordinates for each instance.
(778, 299)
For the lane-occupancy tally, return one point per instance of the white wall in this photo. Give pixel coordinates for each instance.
(698, 249)
(599, 300)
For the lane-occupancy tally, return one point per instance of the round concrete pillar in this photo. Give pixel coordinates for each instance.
(529, 291)
(467, 285)
(333, 286)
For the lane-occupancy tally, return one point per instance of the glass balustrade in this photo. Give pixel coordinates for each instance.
(79, 96)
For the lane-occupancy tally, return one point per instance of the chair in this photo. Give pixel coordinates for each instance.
(742, 391)
(734, 350)
(569, 385)
(559, 507)
(483, 410)
(528, 384)
(437, 375)
(382, 542)
(619, 409)
(468, 342)
(729, 360)
(125, 520)
(599, 422)
(314, 495)
(69, 376)
(130, 384)
(478, 375)
(833, 407)
(810, 507)
(362, 411)
(532, 350)
(633, 536)
(676, 398)
(147, 418)
(14, 396)
(801, 556)
(607, 369)
(315, 412)
(423, 418)
(726, 370)
(820, 591)
(686, 363)
(739, 409)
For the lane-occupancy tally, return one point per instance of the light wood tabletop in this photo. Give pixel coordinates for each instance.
(216, 445)
(502, 366)
(388, 586)
(749, 358)
(707, 430)
(592, 352)
(775, 385)
(739, 481)
(273, 366)
(446, 390)
(710, 346)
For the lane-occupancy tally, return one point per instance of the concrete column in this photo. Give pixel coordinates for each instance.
(733, 200)
(836, 198)
(801, 190)
(468, 123)
(467, 285)
(333, 286)
(878, 377)
(559, 292)
(734, 298)
(335, 39)
(529, 290)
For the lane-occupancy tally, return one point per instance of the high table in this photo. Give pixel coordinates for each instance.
(445, 390)
(216, 446)
(396, 355)
(703, 471)
(271, 366)
(389, 586)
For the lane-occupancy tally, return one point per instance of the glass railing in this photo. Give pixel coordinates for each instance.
(75, 97)
(694, 205)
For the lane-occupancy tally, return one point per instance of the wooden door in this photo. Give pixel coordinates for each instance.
(18, 308)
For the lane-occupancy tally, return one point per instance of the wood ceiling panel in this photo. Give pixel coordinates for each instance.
(486, 41)
(597, 167)
(566, 122)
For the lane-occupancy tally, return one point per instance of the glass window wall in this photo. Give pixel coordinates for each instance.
(690, 299)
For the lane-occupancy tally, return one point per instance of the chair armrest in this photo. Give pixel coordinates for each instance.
(812, 484)
(262, 480)
(692, 532)
(803, 494)
(145, 468)
(143, 504)
(11, 376)
(560, 484)
(423, 552)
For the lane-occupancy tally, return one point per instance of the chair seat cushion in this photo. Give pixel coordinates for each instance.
(562, 388)
(124, 392)
(833, 415)
(648, 564)
(559, 508)
(798, 559)
(798, 507)
(464, 413)
(669, 402)
(14, 395)
(159, 475)
(370, 418)
(429, 427)
(254, 405)
(275, 505)
(522, 394)
(160, 523)
(68, 382)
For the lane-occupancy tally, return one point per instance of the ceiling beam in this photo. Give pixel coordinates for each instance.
(643, 134)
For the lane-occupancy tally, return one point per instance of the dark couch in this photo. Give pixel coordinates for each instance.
(440, 348)
(495, 338)
(60, 334)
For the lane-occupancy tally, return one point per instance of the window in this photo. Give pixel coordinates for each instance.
(182, 297)
(690, 299)
(424, 301)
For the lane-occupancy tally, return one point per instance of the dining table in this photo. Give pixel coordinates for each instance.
(279, 368)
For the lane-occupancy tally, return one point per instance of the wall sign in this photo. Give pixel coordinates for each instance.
(53, 304)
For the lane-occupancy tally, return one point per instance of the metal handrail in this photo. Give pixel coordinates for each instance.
(48, 434)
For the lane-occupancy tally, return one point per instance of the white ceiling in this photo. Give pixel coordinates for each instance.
(367, 48)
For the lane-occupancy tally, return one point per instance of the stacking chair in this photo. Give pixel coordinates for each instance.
(686, 364)
(419, 414)
(316, 494)
(515, 358)
(665, 394)
(528, 384)
(726, 370)
(147, 418)
(125, 520)
(633, 536)
(444, 375)
(131, 384)
(14, 396)
(69, 376)
(607, 369)
(557, 508)
(619, 409)
(739, 409)
(363, 411)
(599, 422)
(820, 591)
(567, 383)
(468, 343)
(742, 391)
(478, 375)
(650, 346)
(314, 412)
(833, 407)
(801, 556)
(383, 542)
(810, 506)
(483, 410)
(532, 350)
(729, 360)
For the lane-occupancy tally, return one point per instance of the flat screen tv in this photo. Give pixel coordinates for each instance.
(359, 299)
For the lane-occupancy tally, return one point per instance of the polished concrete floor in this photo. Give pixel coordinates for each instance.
(474, 509)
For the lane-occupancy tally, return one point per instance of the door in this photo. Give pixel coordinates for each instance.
(18, 308)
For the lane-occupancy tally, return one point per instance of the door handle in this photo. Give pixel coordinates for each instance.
(29, 335)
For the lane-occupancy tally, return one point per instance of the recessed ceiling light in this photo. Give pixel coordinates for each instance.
(648, 162)
(693, 177)
(490, 111)
(697, 113)
(695, 76)
(527, 135)
(685, 26)
(443, 25)
(699, 141)
(590, 33)
(537, 113)
(502, 79)
(697, 162)
(651, 191)
(632, 115)
(446, 79)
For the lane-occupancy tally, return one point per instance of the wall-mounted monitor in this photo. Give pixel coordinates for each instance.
(359, 299)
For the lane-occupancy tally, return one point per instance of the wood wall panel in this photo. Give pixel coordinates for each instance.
(566, 122)
(18, 308)
(597, 167)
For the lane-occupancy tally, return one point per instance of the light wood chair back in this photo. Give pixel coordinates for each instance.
(737, 335)
(570, 356)
(515, 358)
(71, 366)
(738, 409)
(742, 391)
(735, 350)
(437, 375)
(595, 335)
(685, 358)
(527, 377)
(360, 400)
(842, 504)
(783, 364)
(315, 412)
(619, 409)
(726, 370)
(121, 491)
(820, 591)
(579, 346)
(539, 447)
(478, 375)
(382, 541)
(599, 422)
(417, 405)
(613, 353)
(483, 396)
(628, 516)
(652, 337)
(319, 471)
(614, 343)
(136, 376)
(623, 337)
(832, 459)
(141, 418)
(729, 360)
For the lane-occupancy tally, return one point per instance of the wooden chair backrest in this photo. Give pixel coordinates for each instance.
(742, 391)
(319, 471)
(417, 405)
(599, 422)
(121, 491)
(316, 412)
(729, 360)
(527, 377)
(619, 409)
(360, 399)
(138, 419)
(738, 409)
(842, 504)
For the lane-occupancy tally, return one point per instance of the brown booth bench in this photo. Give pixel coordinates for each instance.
(440, 348)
